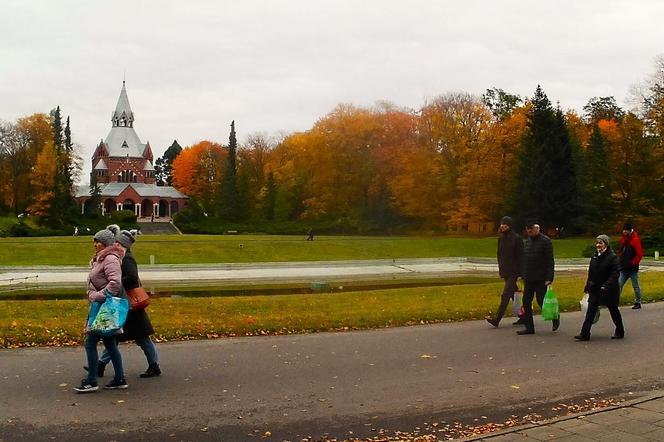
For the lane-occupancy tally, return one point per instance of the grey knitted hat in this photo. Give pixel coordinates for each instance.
(507, 220)
(106, 237)
(126, 238)
(605, 239)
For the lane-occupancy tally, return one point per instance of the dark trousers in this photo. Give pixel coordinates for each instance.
(508, 293)
(593, 305)
(533, 289)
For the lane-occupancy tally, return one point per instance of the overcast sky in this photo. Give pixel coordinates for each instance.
(277, 66)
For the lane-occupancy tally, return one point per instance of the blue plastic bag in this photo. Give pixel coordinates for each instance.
(107, 318)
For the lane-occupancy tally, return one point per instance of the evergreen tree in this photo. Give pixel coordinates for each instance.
(229, 205)
(547, 186)
(56, 123)
(69, 146)
(62, 201)
(596, 179)
(270, 201)
(164, 165)
(95, 196)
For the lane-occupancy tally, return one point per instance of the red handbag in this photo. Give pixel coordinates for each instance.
(138, 298)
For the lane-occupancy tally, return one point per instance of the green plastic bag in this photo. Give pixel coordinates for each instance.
(550, 309)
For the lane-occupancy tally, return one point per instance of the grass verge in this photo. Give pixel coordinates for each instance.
(60, 322)
(199, 249)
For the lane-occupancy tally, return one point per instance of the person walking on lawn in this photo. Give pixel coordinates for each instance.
(510, 261)
(602, 288)
(630, 253)
(138, 326)
(105, 276)
(537, 274)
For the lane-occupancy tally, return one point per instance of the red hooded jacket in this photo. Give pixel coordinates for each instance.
(630, 251)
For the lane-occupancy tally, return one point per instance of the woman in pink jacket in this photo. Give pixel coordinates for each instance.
(105, 275)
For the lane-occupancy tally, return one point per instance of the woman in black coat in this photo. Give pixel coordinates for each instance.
(137, 327)
(602, 288)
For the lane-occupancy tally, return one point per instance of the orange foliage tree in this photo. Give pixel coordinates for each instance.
(197, 171)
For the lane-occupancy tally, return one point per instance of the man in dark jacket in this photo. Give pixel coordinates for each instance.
(602, 288)
(510, 256)
(537, 274)
(630, 254)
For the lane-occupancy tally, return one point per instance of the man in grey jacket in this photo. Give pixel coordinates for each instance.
(537, 274)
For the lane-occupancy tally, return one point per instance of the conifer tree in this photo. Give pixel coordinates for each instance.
(95, 194)
(270, 200)
(596, 179)
(229, 205)
(164, 165)
(547, 186)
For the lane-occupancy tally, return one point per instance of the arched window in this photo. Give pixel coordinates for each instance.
(126, 176)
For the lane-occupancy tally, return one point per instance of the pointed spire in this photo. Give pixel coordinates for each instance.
(123, 116)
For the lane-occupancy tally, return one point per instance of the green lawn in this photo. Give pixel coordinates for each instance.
(184, 249)
(38, 323)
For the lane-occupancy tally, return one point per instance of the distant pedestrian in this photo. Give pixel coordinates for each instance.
(76, 231)
(152, 217)
(510, 261)
(602, 288)
(105, 276)
(138, 326)
(630, 253)
(310, 235)
(538, 267)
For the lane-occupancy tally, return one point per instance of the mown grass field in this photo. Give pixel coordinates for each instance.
(40, 323)
(188, 249)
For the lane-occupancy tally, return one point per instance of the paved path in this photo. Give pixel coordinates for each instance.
(633, 421)
(292, 271)
(332, 383)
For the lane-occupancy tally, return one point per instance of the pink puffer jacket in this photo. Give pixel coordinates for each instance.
(106, 273)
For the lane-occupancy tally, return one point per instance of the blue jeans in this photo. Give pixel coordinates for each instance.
(146, 345)
(110, 347)
(634, 276)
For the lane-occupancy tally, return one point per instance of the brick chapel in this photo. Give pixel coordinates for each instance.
(123, 168)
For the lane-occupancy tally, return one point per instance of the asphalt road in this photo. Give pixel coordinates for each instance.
(330, 384)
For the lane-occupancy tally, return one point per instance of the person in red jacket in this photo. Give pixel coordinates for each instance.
(630, 254)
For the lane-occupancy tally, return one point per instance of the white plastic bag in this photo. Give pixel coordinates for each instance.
(584, 308)
(516, 303)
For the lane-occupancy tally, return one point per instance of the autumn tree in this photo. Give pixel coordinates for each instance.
(253, 158)
(197, 172)
(452, 128)
(43, 183)
(15, 162)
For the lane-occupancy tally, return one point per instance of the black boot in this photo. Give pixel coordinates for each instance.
(100, 369)
(152, 371)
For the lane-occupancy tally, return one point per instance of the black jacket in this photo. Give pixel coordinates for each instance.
(138, 323)
(510, 254)
(603, 273)
(538, 259)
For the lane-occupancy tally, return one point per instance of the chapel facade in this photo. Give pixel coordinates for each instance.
(123, 169)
